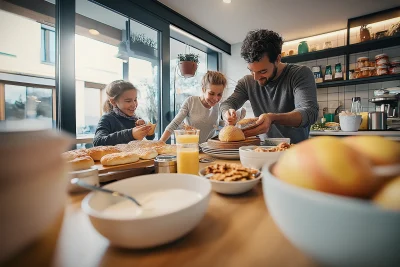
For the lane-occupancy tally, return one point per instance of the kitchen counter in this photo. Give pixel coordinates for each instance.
(393, 135)
(235, 231)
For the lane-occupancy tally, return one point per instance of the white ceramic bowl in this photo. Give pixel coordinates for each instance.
(251, 159)
(89, 176)
(334, 230)
(149, 231)
(33, 185)
(350, 123)
(232, 188)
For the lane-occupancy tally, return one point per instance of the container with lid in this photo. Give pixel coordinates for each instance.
(381, 59)
(362, 62)
(381, 70)
(165, 164)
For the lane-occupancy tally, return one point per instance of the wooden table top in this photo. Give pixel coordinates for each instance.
(235, 231)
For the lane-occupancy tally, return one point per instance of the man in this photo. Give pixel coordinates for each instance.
(282, 96)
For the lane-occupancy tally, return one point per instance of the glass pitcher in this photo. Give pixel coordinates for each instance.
(356, 105)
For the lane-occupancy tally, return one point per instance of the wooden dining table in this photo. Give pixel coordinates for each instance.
(235, 231)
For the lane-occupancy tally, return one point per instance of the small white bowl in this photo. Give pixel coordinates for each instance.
(252, 159)
(232, 188)
(89, 176)
(333, 230)
(146, 232)
(350, 123)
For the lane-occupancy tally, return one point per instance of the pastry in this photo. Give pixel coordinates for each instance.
(73, 154)
(99, 151)
(81, 163)
(119, 158)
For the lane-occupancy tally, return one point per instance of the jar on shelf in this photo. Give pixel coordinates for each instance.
(372, 71)
(364, 72)
(394, 67)
(372, 64)
(351, 75)
(381, 59)
(362, 62)
(381, 70)
(356, 74)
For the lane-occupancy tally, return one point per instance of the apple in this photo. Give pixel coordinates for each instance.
(380, 150)
(329, 165)
(388, 196)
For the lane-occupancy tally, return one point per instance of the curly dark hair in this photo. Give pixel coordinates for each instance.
(260, 42)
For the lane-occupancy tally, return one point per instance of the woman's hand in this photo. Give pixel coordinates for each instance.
(139, 132)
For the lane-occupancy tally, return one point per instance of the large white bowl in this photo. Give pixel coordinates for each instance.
(350, 123)
(232, 188)
(149, 231)
(251, 159)
(334, 230)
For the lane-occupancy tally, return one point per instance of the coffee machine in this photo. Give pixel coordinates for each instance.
(389, 104)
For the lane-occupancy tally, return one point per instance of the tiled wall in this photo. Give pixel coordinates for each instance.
(332, 97)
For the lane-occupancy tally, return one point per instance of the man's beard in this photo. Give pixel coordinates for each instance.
(268, 80)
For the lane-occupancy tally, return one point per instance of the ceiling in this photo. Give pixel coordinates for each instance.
(291, 19)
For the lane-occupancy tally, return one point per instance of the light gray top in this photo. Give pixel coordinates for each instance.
(198, 116)
(293, 90)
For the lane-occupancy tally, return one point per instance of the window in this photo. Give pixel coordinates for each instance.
(182, 88)
(88, 109)
(48, 45)
(22, 102)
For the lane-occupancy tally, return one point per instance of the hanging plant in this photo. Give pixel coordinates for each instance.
(141, 43)
(188, 64)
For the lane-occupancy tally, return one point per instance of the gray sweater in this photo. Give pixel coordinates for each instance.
(293, 90)
(198, 116)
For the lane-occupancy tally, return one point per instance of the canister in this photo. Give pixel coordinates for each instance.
(165, 164)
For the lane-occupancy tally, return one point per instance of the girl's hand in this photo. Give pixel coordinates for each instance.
(139, 132)
(140, 122)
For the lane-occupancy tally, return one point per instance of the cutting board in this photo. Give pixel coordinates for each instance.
(122, 167)
(217, 144)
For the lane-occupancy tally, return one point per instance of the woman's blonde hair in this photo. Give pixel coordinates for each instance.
(114, 90)
(214, 78)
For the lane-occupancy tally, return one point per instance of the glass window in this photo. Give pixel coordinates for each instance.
(144, 71)
(29, 103)
(48, 45)
(182, 88)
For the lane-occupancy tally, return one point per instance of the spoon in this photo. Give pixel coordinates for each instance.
(77, 181)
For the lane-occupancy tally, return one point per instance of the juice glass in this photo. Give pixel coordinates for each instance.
(188, 158)
(187, 136)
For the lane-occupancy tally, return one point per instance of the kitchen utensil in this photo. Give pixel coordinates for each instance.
(389, 110)
(377, 121)
(77, 181)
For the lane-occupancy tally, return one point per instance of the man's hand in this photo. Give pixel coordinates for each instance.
(140, 122)
(230, 117)
(139, 132)
(263, 124)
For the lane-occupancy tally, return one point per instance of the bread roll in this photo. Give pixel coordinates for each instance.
(74, 154)
(230, 134)
(81, 163)
(153, 128)
(119, 158)
(247, 123)
(147, 153)
(100, 151)
(167, 149)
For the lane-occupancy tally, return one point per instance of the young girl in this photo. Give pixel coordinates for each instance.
(119, 124)
(201, 112)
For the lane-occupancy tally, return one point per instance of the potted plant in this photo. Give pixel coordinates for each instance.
(143, 44)
(188, 64)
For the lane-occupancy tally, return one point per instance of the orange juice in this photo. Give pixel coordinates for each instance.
(187, 139)
(188, 158)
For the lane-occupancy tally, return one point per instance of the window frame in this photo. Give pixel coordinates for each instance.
(45, 57)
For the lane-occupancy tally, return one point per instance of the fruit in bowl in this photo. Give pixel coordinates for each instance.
(327, 199)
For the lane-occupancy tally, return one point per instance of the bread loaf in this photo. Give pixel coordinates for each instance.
(73, 154)
(147, 153)
(230, 134)
(167, 149)
(247, 123)
(100, 151)
(119, 158)
(81, 163)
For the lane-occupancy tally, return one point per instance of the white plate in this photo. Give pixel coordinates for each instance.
(224, 156)
(331, 130)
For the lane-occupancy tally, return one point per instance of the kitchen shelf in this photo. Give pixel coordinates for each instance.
(331, 52)
(374, 44)
(374, 79)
